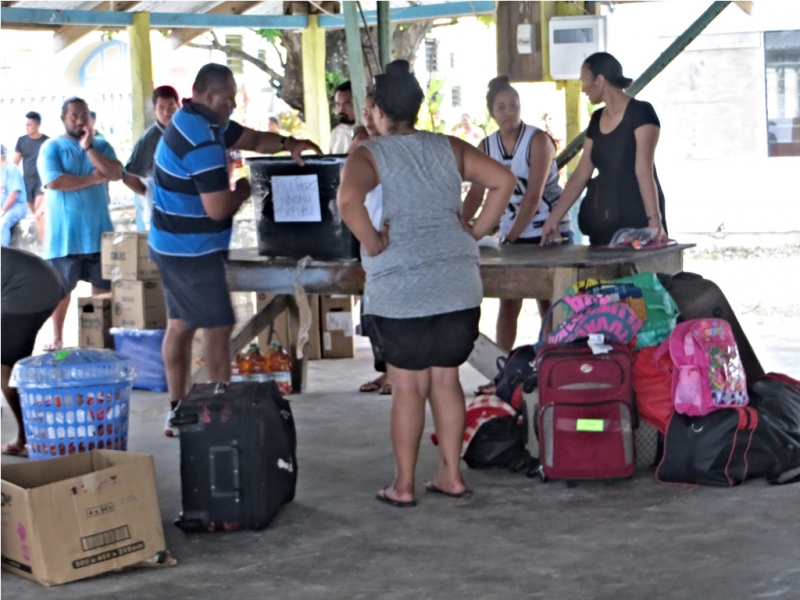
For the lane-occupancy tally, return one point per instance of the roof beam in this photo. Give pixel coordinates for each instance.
(180, 36)
(67, 35)
(416, 13)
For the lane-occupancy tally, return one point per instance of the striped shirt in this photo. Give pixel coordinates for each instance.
(519, 162)
(191, 159)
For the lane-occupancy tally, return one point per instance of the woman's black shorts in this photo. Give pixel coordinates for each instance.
(444, 340)
(19, 334)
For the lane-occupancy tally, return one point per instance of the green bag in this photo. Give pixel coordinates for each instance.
(662, 312)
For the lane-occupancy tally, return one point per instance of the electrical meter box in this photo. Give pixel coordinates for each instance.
(572, 40)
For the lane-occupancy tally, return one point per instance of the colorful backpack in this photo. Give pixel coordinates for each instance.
(595, 314)
(707, 373)
(645, 295)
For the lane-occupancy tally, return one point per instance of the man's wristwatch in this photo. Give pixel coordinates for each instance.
(89, 147)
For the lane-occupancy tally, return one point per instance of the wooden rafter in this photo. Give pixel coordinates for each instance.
(67, 35)
(179, 37)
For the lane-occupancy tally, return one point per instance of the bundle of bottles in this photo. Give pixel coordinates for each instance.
(275, 365)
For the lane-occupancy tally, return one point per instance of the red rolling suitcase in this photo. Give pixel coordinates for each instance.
(586, 412)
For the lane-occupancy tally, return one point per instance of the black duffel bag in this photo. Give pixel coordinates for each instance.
(775, 451)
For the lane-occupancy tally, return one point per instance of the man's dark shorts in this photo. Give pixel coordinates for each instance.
(444, 340)
(81, 267)
(195, 289)
(19, 334)
(33, 190)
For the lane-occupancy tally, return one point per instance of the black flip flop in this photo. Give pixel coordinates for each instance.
(382, 497)
(431, 487)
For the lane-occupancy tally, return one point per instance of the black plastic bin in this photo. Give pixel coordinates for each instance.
(328, 239)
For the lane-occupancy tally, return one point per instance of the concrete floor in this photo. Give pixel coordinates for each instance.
(515, 537)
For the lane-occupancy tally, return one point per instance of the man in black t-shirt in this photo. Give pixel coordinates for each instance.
(140, 166)
(27, 150)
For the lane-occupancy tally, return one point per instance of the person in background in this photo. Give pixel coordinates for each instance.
(342, 134)
(467, 131)
(139, 170)
(621, 144)
(75, 168)
(374, 204)
(27, 151)
(530, 154)
(13, 205)
(423, 287)
(93, 123)
(31, 290)
(190, 231)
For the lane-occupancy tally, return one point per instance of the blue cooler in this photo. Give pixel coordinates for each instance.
(74, 400)
(143, 347)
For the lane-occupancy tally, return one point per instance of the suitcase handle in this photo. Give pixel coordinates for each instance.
(213, 453)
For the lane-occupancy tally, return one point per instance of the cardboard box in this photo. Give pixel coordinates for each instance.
(313, 349)
(75, 517)
(124, 255)
(138, 305)
(94, 321)
(336, 320)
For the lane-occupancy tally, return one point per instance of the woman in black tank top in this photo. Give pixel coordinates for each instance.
(620, 142)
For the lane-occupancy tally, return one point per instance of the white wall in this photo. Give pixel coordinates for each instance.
(712, 155)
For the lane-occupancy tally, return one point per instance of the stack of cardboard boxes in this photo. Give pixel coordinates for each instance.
(138, 301)
(135, 301)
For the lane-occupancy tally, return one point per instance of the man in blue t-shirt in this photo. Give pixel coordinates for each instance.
(190, 230)
(12, 198)
(75, 168)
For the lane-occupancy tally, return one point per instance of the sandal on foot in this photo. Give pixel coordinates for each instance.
(434, 489)
(370, 386)
(382, 496)
(11, 449)
(386, 389)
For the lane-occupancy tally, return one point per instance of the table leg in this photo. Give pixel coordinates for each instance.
(299, 365)
(563, 279)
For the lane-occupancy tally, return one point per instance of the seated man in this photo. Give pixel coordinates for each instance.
(31, 289)
(13, 198)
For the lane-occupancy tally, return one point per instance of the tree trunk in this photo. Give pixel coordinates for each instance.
(289, 84)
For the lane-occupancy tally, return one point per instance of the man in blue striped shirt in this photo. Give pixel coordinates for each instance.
(192, 219)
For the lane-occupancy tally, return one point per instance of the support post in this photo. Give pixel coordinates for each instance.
(315, 97)
(384, 33)
(355, 57)
(141, 74)
(658, 65)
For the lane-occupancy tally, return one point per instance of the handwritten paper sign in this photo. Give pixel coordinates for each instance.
(295, 198)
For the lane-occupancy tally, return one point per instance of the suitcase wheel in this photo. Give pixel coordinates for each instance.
(569, 484)
(191, 525)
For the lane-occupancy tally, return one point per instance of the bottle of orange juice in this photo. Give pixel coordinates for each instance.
(256, 360)
(279, 359)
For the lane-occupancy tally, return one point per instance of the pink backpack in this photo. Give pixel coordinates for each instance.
(707, 373)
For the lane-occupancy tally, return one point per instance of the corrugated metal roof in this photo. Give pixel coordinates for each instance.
(782, 40)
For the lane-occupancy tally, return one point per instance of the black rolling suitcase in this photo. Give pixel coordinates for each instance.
(699, 298)
(238, 464)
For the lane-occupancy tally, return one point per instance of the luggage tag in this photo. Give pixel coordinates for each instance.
(597, 343)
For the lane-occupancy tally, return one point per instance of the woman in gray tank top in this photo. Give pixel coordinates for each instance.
(423, 287)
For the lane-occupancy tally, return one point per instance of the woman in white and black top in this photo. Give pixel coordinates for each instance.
(530, 154)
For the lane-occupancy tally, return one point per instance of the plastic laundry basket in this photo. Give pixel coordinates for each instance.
(74, 400)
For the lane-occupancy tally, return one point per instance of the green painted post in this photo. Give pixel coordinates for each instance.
(674, 49)
(355, 57)
(384, 33)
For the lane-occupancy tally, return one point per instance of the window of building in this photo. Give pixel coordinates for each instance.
(782, 66)
(431, 58)
(456, 95)
(104, 65)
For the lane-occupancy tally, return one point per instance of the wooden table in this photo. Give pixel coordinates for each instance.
(508, 271)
